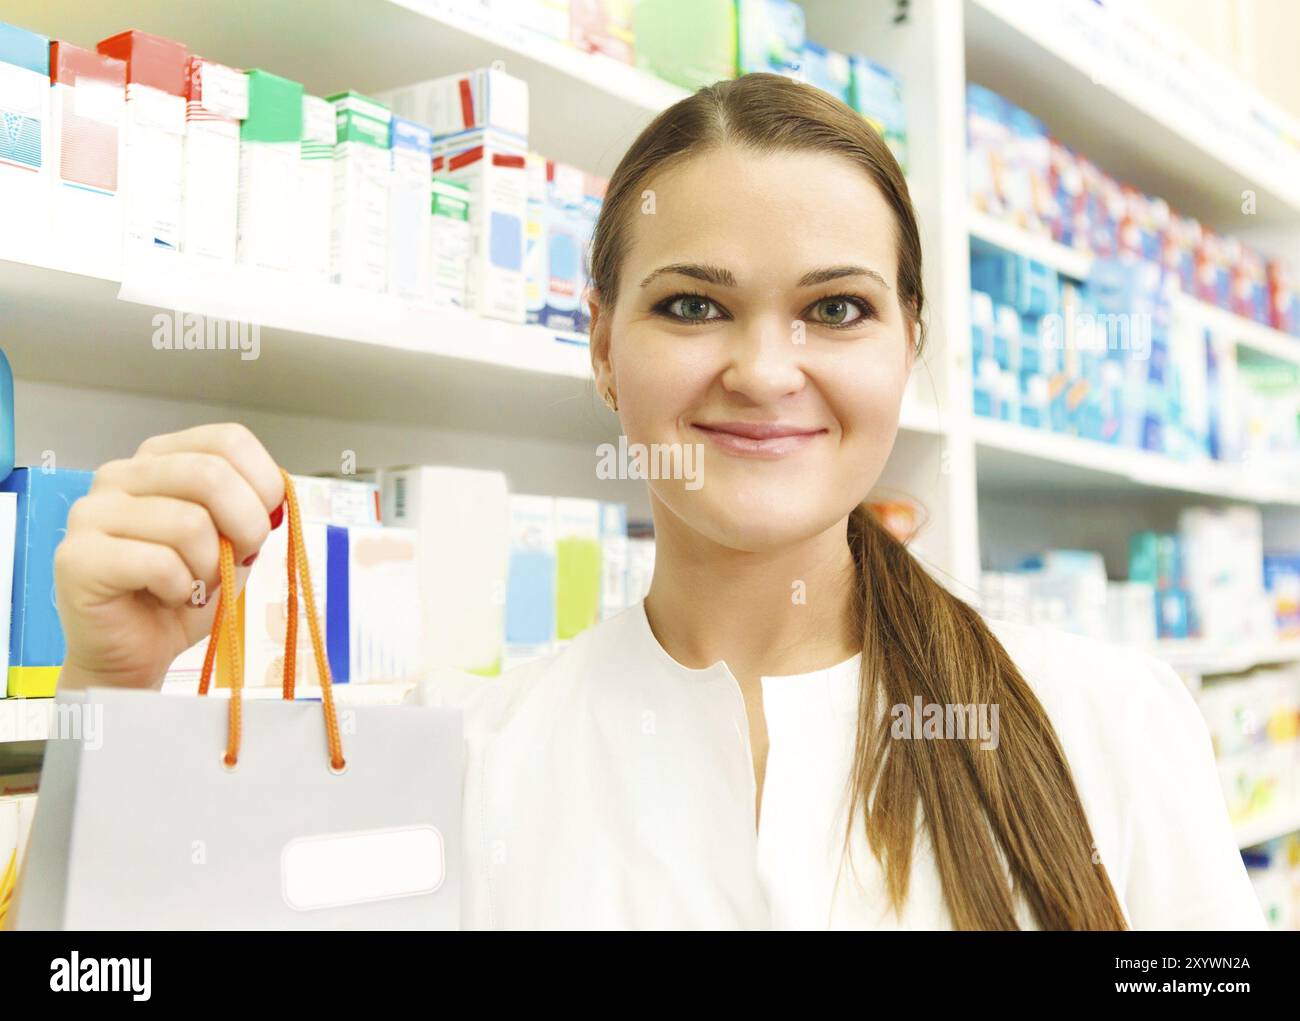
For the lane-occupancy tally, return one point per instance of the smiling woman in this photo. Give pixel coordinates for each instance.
(721, 754)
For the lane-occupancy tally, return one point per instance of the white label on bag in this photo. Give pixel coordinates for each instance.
(338, 869)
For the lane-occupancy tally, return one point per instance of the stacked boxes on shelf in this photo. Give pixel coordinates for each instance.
(87, 101)
(1114, 359)
(25, 162)
(1206, 581)
(145, 142)
(153, 136)
(1019, 172)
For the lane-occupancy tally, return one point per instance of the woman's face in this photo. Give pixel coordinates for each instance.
(758, 318)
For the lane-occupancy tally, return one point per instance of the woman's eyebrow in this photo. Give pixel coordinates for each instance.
(724, 278)
(700, 271)
(822, 276)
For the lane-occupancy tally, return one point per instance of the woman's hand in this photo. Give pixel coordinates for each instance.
(137, 575)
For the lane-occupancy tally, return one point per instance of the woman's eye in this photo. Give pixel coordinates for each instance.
(691, 308)
(839, 311)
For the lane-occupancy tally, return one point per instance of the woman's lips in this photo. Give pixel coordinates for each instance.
(757, 439)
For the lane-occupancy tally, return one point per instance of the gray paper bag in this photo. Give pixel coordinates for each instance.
(139, 824)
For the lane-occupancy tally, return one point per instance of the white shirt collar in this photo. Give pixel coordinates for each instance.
(834, 677)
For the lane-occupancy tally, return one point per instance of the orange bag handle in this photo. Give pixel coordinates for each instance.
(225, 631)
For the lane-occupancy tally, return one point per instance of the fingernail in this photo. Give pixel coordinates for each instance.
(248, 560)
(277, 516)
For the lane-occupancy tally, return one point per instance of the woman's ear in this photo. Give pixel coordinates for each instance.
(599, 342)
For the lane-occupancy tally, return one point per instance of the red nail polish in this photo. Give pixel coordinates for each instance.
(248, 560)
(277, 516)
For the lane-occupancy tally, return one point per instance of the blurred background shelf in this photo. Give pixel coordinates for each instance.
(1198, 155)
(1275, 824)
(1015, 457)
(1077, 265)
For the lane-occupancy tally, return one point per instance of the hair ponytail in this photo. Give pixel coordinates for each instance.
(1001, 820)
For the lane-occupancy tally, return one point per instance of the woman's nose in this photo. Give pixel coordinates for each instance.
(764, 360)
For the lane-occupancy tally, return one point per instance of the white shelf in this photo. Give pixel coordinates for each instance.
(1013, 456)
(1277, 823)
(586, 108)
(1066, 261)
(1206, 659)
(324, 350)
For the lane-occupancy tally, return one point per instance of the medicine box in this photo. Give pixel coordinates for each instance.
(153, 137)
(362, 172)
(450, 242)
(314, 201)
(269, 146)
(87, 103)
(486, 99)
(36, 638)
(410, 209)
(24, 141)
(216, 102)
(530, 582)
(497, 182)
(462, 518)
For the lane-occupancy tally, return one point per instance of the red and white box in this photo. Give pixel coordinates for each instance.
(87, 103)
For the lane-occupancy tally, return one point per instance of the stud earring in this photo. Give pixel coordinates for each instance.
(611, 401)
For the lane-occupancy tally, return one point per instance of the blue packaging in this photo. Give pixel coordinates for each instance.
(827, 69)
(36, 646)
(565, 232)
(981, 322)
(6, 418)
(770, 36)
(1173, 613)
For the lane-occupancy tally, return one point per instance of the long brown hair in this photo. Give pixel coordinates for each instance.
(1002, 822)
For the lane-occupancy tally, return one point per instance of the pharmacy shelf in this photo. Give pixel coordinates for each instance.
(1077, 265)
(1088, 71)
(1208, 659)
(586, 108)
(323, 350)
(1015, 457)
(1001, 234)
(1277, 823)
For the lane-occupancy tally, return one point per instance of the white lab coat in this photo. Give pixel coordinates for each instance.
(608, 786)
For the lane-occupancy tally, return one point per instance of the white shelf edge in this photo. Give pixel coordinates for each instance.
(1140, 467)
(1277, 823)
(1197, 656)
